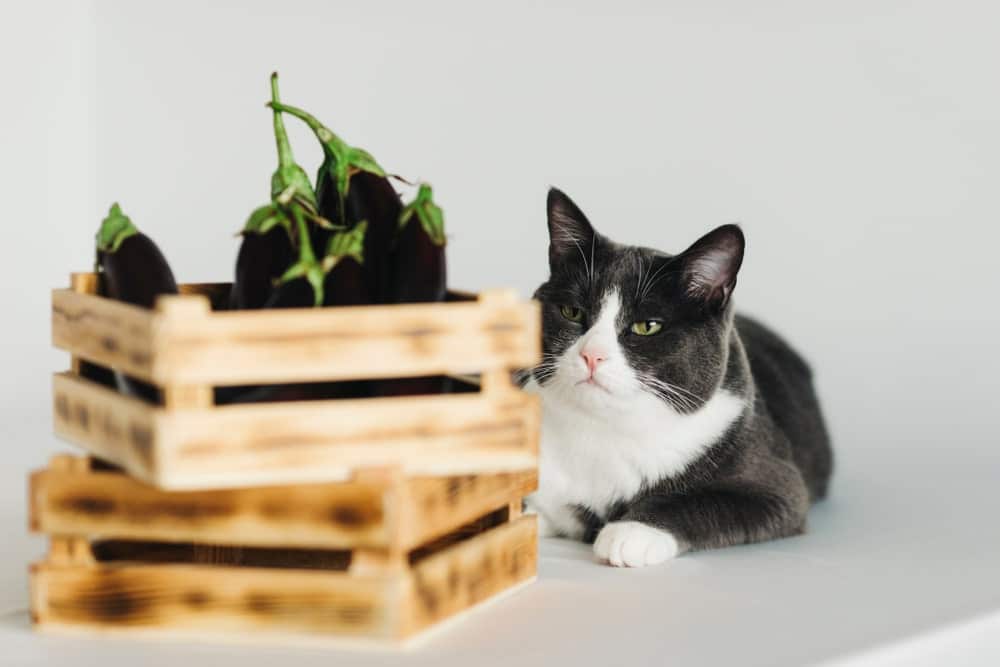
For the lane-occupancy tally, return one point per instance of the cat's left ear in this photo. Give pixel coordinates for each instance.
(710, 265)
(570, 233)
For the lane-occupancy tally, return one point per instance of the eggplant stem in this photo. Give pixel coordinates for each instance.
(285, 156)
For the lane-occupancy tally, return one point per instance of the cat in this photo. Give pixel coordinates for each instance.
(670, 423)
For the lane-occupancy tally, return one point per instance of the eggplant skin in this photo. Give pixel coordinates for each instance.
(419, 269)
(136, 273)
(373, 198)
(262, 259)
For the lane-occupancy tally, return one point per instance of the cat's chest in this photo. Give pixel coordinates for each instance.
(598, 460)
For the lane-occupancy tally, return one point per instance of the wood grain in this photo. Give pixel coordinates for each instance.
(323, 440)
(388, 606)
(297, 442)
(182, 342)
(469, 572)
(110, 425)
(101, 505)
(392, 513)
(104, 331)
(434, 506)
(213, 599)
(348, 343)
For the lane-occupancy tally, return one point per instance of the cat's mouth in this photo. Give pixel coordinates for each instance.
(592, 382)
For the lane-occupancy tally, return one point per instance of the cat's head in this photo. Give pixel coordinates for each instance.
(622, 323)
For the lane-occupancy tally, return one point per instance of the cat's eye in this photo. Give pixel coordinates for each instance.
(647, 327)
(572, 314)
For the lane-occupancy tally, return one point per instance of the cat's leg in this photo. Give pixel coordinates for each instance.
(660, 526)
(554, 519)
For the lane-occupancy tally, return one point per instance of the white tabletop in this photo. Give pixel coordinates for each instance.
(900, 563)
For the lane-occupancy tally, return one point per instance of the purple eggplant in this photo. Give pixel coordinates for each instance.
(352, 188)
(417, 260)
(262, 260)
(417, 274)
(133, 270)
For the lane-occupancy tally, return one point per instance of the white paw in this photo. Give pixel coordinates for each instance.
(634, 544)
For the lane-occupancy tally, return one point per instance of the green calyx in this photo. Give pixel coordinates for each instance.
(306, 267)
(428, 213)
(341, 160)
(348, 243)
(290, 181)
(114, 230)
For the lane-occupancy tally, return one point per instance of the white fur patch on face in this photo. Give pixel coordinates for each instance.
(613, 381)
(634, 544)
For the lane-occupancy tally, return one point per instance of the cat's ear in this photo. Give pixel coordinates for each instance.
(570, 233)
(710, 266)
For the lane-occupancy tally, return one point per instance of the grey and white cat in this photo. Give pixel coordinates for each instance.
(669, 423)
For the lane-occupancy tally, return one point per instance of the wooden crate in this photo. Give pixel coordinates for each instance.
(186, 349)
(381, 557)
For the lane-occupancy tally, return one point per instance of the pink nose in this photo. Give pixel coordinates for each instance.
(592, 358)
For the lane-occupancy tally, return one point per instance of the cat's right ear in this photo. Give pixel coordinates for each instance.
(570, 233)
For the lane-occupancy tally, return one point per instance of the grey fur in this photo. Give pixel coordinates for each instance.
(757, 482)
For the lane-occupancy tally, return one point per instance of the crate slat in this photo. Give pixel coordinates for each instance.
(298, 442)
(212, 599)
(393, 512)
(205, 599)
(108, 424)
(104, 331)
(185, 346)
(460, 577)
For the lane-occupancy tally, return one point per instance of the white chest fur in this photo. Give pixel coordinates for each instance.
(596, 459)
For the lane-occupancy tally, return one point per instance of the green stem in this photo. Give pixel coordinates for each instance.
(306, 253)
(285, 157)
(322, 132)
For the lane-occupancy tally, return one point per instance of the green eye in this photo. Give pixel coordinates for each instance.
(570, 313)
(647, 327)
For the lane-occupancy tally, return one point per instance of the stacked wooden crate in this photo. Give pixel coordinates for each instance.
(369, 518)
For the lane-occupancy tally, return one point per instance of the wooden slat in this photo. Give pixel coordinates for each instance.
(389, 513)
(213, 599)
(64, 546)
(184, 343)
(299, 442)
(347, 343)
(104, 331)
(111, 505)
(131, 596)
(82, 283)
(434, 506)
(470, 572)
(114, 427)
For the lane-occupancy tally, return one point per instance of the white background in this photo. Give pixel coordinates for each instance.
(856, 142)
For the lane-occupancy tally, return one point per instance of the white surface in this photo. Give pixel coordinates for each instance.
(857, 143)
(896, 557)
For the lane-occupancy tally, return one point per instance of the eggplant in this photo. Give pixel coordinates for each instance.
(417, 274)
(262, 260)
(277, 241)
(352, 188)
(133, 270)
(417, 260)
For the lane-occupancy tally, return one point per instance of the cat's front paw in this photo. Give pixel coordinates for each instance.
(634, 544)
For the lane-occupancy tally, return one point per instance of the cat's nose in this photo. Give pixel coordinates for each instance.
(592, 358)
